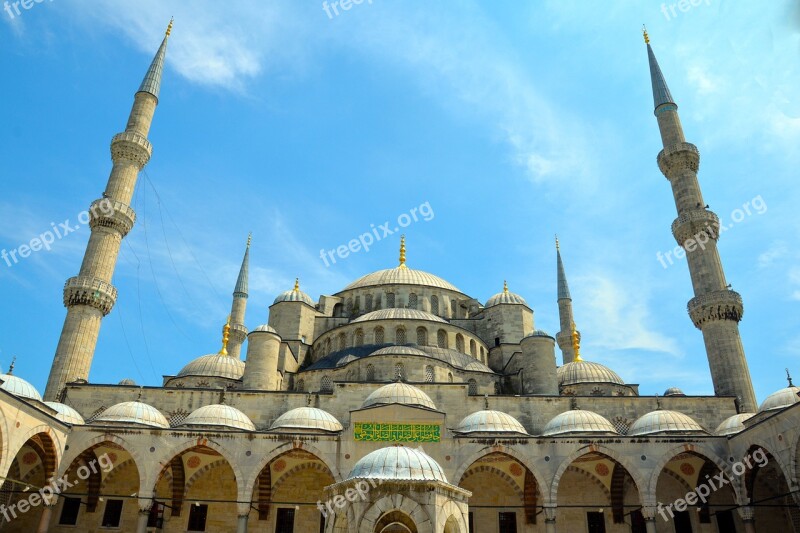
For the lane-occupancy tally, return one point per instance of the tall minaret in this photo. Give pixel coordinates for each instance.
(567, 321)
(715, 310)
(90, 296)
(238, 332)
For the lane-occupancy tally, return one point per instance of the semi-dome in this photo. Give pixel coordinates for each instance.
(401, 393)
(19, 387)
(780, 399)
(586, 372)
(401, 275)
(664, 421)
(578, 421)
(733, 424)
(219, 415)
(673, 391)
(265, 327)
(127, 382)
(307, 418)
(506, 297)
(133, 413)
(399, 350)
(214, 365)
(398, 463)
(398, 314)
(488, 421)
(65, 413)
(456, 359)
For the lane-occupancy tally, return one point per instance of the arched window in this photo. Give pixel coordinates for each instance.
(399, 371)
(473, 348)
(359, 337)
(482, 353)
(449, 377)
(389, 300)
(342, 341)
(379, 335)
(460, 343)
(326, 385)
(434, 305)
(429, 374)
(473, 387)
(412, 300)
(357, 305)
(349, 307)
(301, 385)
(441, 338)
(368, 303)
(422, 336)
(400, 336)
(378, 302)
(370, 373)
(338, 310)
(328, 346)
(498, 389)
(453, 308)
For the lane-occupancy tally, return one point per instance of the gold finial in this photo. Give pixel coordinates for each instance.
(296, 285)
(576, 344)
(646, 36)
(505, 287)
(558, 246)
(249, 239)
(402, 251)
(14, 360)
(169, 28)
(226, 334)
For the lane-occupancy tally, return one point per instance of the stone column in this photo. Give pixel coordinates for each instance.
(144, 514)
(748, 518)
(550, 519)
(649, 514)
(47, 514)
(243, 513)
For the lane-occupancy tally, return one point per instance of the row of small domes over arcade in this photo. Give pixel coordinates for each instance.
(575, 421)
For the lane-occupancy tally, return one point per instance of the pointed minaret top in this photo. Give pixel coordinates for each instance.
(152, 80)
(661, 94)
(226, 333)
(402, 252)
(563, 288)
(240, 291)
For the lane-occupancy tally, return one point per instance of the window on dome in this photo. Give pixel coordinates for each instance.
(359, 337)
(342, 341)
(441, 338)
(434, 305)
(449, 377)
(429, 374)
(370, 373)
(326, 385)
(473, 348)
(399, 371)
(389, 300)
(349, 307)
(473, 387)
(357, 305)
(453, 308)
(400, 336)
(460, 343)
(378, 302)
(379, 336)
(422, 336)
(328, 346)
(368, 303)
(412, 300)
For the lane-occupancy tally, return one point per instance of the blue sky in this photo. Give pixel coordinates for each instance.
(514, 121)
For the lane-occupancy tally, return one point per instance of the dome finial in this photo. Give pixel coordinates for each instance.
(576, 344)
(14, 360)
(646, 36)
(658, 402)
(486, 401)
(505, 287)
(226, 333)
(309, 399)
(169, 27)
(573, 403)
(558, 246)
(296, 285)
(249, 239)
(402, 251)
(788, 376)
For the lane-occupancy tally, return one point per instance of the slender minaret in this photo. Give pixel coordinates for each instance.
(90, 296)
(567, 321)
(238, 331)
(715, 309)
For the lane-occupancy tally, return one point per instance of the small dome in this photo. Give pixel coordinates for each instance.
(398, 463)
(214, 365)
(128, 382)
(307, 418)
(401, 393)
(219, 415)
(673, 391)
(664, 421)
(401, 276)
(265, 327)
(490, 422)
(133, 413)
(506, 297)
(540, 333)
(19, 387)
(65, 413)
(733, 424)
(780, 399)
(398, 314)
(578, 421)
(586, 372)
(294, 295)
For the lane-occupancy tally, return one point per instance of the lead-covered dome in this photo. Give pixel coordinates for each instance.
(398, 314)
(133, 413)
(401, 275)
(398, 463)
(780, 399)
(664, 421)
(307, 418)
(219, 415)
(294, 295)
(673, 391)
(506, 297)
(586, 372)
(489, 421)
(578, 421)
(19, 387)
(65, 413)
(214, 365)
(127, 382)
(265, 327)
(401, 393)
(733, 424)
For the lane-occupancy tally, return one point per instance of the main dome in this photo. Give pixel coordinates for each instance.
(586, 372)
(398, 463)
(401, 275)
(214, 365)
(398, 314)
(401, 393)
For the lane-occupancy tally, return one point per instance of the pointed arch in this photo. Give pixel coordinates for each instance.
(635, 473)
(250, 480)
(540, 479)
(696, 449)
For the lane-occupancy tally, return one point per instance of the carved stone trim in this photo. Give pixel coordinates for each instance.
(84, 290)
(131, 146)
(718, 305)
(698, 224)
(107, 213)
(681, 156)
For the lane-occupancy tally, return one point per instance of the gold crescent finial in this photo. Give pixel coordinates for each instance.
(226, 334)
(169, 27)
(402, 251)
(505, 287)
(296, 285)
(646, 36)
(558, 246)
(576, 344)
(249, 239)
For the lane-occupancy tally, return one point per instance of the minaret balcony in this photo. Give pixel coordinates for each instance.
(677, 158)
(108, 213)
(238, 333)
(717, 305)
(86, 290)
(131, 146)
(700, 225)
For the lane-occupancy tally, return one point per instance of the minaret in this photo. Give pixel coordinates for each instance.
(715, 310)
(566, 320)
(89, 296)
(238, 331)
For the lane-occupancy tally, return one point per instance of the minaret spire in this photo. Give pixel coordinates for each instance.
(89, 296)
(715, 309)
(238, 331)
(564, 338)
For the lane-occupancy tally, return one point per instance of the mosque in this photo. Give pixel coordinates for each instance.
(399, 403)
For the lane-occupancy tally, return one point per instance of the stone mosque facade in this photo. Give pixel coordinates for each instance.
(399, 403)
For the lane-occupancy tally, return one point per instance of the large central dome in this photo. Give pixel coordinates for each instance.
(401, 275)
